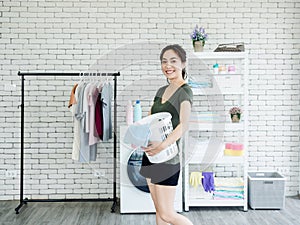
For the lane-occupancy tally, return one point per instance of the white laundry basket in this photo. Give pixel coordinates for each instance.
(160, 127)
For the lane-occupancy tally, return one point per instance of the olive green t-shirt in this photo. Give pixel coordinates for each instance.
(172, 105)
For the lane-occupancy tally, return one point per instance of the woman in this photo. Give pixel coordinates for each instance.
(175, 98)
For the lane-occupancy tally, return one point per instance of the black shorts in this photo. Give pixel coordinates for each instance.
(160, 173)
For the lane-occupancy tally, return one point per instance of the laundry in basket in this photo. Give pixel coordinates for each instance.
(160, 127)
(137, 135)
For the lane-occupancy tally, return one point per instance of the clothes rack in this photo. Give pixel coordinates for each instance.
(24, 201)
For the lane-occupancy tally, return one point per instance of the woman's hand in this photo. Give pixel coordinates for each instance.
(153, 148)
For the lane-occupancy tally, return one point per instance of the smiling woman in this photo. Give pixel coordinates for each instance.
(173, 59)
(176, 99)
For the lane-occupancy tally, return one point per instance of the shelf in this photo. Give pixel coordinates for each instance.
(212, 74)
(199, 150)
(224, 74)
(212, 202)
(214, 91)
(218, 55)
(208, 152)
(220, 158)
(206, 126)
(198, 197)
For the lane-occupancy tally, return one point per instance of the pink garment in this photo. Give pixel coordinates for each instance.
(92, 98)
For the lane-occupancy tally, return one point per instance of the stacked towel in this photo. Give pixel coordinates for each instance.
(228, 188)
(204, 117)
(234, 149)
(201, 84)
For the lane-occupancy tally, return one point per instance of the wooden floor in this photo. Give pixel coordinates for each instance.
(98, 213)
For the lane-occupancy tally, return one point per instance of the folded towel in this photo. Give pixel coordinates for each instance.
(239, 195)
(223, 188)
(229, 182)
(229, 192)
(224, 198)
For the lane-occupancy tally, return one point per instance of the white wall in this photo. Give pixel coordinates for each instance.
(72, 35)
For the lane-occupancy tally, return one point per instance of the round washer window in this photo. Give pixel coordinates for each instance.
(133, 170)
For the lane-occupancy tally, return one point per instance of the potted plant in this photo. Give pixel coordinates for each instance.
(235, 114)
(198, 37)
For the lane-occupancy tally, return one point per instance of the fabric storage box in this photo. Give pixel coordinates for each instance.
(266, 190)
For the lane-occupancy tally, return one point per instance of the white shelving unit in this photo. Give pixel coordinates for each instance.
(193, 158)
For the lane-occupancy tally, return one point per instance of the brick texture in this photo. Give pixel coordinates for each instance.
(112, 36)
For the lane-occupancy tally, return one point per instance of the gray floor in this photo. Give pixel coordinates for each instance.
(96, 213)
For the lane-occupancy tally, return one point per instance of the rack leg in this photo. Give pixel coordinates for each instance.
(22, 202)
(20, 206)
(113, 208)
(115, 148)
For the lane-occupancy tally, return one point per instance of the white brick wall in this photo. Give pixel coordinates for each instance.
(73, 35)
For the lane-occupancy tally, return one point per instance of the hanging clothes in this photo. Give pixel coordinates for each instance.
(92, 98)
(106, 98)
(90, 151)
(99, 117)
(85, 108)
(84, 154)
(91, 112)
(71, 106)
(76, 139)
(72, 100)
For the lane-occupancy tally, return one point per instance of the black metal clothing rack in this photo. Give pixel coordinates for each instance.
(24, 201)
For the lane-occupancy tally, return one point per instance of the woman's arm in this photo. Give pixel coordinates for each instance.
(184, 116)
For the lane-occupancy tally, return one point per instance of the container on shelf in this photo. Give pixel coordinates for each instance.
(216, 68)
(231, 69)
(129, 113)
(137, 111)
(222, 69)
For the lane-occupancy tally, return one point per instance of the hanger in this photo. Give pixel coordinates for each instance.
(81, 78)
(100, 82)
(85, 75)
(106, 74)
(90, 77)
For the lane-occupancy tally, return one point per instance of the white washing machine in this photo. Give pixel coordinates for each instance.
(134, 192)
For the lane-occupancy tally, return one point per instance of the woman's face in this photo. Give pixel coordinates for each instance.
(171, 65)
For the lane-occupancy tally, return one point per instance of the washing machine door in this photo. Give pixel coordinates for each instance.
(133, 170)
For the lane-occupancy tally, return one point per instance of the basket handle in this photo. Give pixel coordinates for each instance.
(268, 182)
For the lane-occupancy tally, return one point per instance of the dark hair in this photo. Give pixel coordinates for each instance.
(179, 51)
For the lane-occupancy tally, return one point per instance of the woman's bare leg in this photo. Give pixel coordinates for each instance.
(165, 197)
(151, 186)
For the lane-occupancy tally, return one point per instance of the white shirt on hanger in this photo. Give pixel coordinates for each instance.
(76, 140)
(86, 108)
